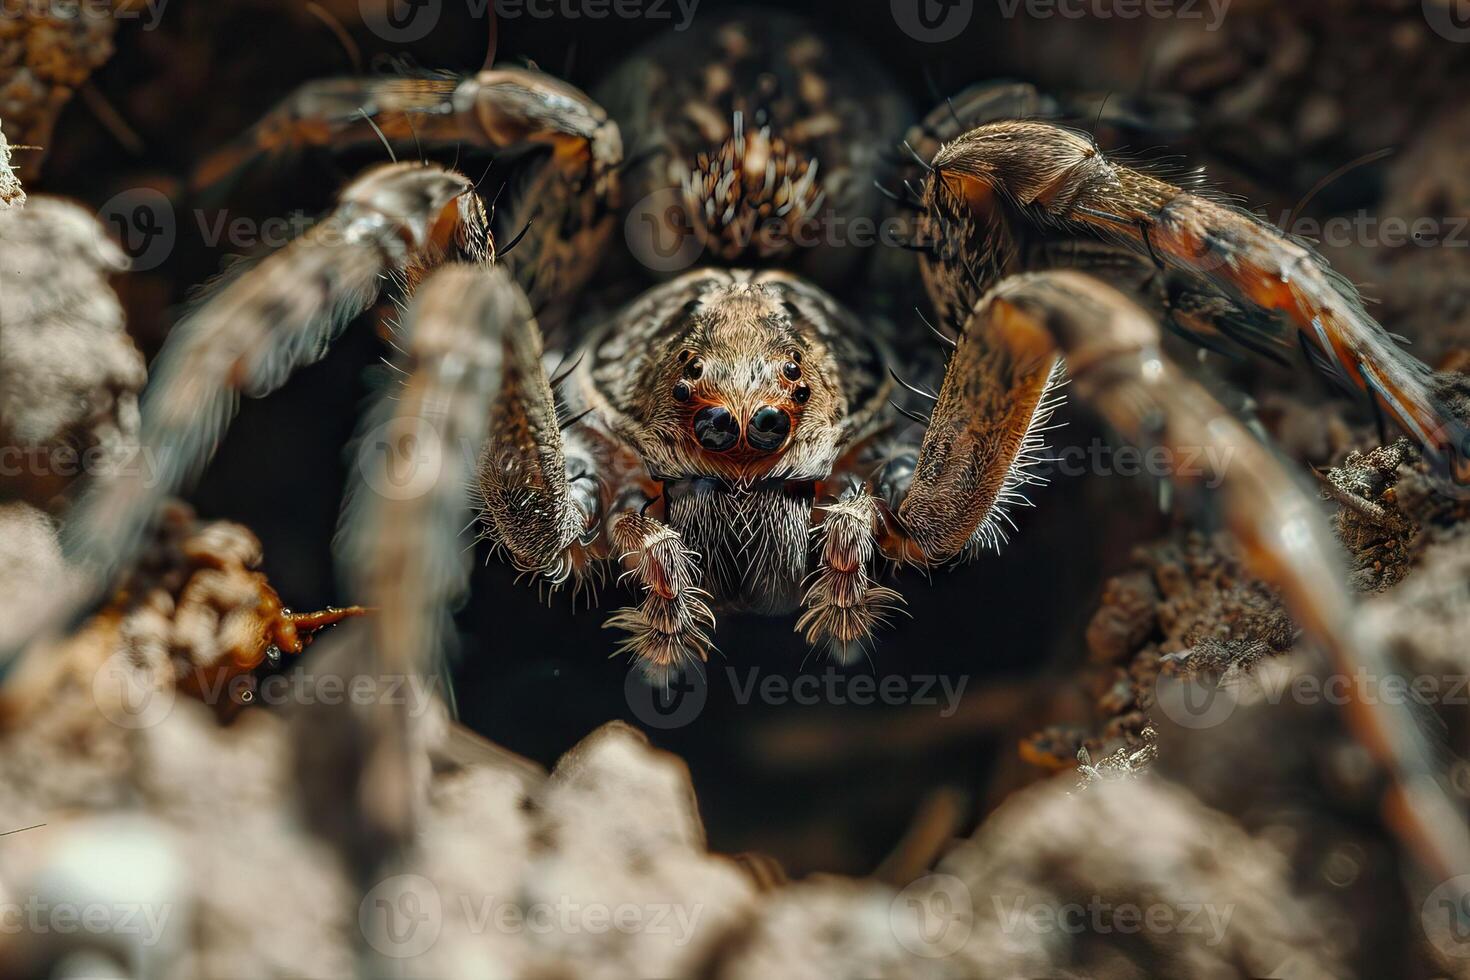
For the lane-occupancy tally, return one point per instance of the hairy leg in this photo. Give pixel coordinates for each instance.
(495, 109)
(530, 505)
(844, 606)
(997, 185)
(559, 212)
(668, 630)
(1114, 359)
(400, 549)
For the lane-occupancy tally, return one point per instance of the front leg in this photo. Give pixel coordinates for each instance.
(987, 426)
(843, 604)
(1114, 357)
(668, 630)
(539, 494)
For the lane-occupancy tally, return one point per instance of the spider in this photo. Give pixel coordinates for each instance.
(725, 439)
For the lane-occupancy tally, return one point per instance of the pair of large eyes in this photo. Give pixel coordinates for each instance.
(717, 429)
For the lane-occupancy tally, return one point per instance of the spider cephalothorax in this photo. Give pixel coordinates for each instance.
(725, 439)
(738, 376)
(739, 392)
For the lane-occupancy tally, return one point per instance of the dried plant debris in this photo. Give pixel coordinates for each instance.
(11, 193)
(47, 52)
(69, 373)
(1190, 610)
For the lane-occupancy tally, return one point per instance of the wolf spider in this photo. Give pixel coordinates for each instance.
(726, 438)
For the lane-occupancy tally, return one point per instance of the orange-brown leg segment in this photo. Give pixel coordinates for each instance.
(843, 604)
(1114, 360)
(668, 631)
(986, 186)
(494, 109)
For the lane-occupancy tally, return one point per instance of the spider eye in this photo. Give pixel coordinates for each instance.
(715, 428)
(791, 370)
(768, 428)
(801, 394)
(694, 370)
(682, 391)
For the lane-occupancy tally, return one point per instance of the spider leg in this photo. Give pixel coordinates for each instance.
(1115, 362)
(843, 604)
(990, 184)
(669, 629)
(400, 548)
(556, 220)
(529, 505)
(247, 338)
(494, 109)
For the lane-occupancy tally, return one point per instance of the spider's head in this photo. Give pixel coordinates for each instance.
(739, 391)
(738, 384)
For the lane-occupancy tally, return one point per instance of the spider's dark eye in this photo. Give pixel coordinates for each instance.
(791, 370)
(768, 428)
(682, 392)
(694, 370)
(801, 394)
(715, 428)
